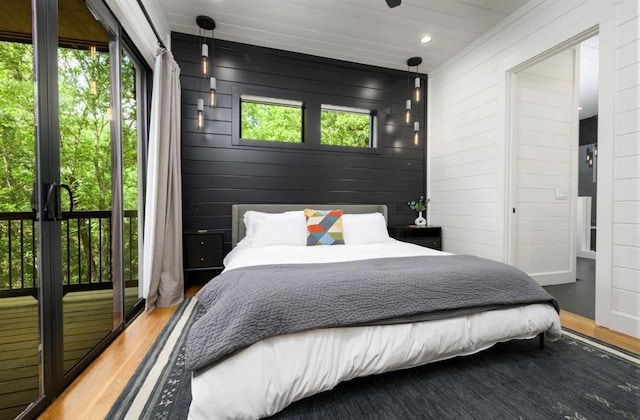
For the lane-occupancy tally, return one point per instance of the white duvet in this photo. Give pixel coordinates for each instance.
(266, 377)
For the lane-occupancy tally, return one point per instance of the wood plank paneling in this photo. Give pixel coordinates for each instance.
(217, 171)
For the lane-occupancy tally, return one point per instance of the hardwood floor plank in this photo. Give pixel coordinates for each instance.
(589, 328)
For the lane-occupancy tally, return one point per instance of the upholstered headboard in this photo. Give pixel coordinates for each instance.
(238, 210)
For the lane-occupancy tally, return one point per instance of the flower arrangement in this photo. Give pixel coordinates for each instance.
(419, 206)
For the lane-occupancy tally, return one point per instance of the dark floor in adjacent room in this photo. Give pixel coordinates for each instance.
(579, 297)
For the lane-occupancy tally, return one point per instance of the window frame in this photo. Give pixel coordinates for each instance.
(373, 124)
(311, 115)
(296, 104)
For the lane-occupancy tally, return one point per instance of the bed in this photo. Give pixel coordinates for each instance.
(285, 321)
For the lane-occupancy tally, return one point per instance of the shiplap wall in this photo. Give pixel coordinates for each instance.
(218, 171)
(546, 140)
(618, 294)
(469, 154)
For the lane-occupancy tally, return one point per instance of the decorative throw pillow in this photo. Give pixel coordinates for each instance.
(324, 227)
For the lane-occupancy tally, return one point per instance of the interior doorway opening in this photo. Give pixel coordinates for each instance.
(554, 171)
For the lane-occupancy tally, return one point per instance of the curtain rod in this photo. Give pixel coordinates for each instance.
(146, 15)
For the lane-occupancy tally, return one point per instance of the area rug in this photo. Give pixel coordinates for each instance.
(573, 378)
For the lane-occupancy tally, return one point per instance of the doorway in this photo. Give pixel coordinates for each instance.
(579, 298)
(547, 165)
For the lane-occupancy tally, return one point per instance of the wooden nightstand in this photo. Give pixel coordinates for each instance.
(203, 250)
(428, 236)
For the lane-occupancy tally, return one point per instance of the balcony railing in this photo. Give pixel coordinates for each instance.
(86, 251)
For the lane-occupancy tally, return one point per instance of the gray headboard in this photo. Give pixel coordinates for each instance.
(238, 210)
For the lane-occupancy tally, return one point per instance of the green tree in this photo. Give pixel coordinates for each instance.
(262, 121)
(283, 123)
(344, 128)
(85, 163)
(17, 144)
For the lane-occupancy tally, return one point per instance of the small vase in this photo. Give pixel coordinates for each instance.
(420, 221)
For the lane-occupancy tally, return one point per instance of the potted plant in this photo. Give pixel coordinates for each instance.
(419, 206)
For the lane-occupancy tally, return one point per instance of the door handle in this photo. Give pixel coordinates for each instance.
(52, 210)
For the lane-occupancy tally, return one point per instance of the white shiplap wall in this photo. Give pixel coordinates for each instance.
(546, 138)
(469, 145)
(618, 269)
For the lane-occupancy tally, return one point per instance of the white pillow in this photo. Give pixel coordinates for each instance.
(368, 228)
(264, 229)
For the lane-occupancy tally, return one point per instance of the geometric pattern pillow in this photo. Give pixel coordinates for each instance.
(324, 227)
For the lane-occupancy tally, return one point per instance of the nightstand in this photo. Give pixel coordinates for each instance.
(203, 250)
(427, 236)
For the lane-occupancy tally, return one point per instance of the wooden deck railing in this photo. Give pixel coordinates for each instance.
(86, 251)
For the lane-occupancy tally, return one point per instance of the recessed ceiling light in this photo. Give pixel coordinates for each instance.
(425, 39)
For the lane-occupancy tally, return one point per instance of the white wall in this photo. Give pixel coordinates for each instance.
(618, 269)
(469, 145)
(545, 171)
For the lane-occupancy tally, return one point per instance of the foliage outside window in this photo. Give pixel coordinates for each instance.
(341, 126)
(270, 119)
(85, 149)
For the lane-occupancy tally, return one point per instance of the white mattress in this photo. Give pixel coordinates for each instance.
(271, 374)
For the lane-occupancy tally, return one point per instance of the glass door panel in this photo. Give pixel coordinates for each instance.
(130, 179)
(86, 167)
(20, 381)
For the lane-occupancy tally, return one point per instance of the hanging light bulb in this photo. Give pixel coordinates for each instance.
(205, 23)
(415, 62)
(200, 119)
(205, 59)
(212, 92)
(416, 132)
(407, 114)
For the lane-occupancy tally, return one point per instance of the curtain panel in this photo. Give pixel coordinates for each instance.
(162, 274)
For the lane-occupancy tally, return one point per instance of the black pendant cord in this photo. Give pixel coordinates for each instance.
(153, 28)
(408, 82)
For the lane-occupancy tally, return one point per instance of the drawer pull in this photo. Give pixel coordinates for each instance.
(201, 242)
(202, 259)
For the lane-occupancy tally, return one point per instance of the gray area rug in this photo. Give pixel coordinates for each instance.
(573, 378)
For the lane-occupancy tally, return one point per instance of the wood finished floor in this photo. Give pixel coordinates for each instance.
(93, 393)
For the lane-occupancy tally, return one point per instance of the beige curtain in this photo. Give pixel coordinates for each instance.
(162, 275)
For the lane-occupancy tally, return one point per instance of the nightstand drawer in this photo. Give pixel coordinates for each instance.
(418, 232)
(203, 259)
(197, 242)
(429, 236)
(434, 243)
(203, 250)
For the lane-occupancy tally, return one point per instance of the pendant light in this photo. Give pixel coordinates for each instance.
(407, 113)
(415, 62)
(200, 117)
(205, 23)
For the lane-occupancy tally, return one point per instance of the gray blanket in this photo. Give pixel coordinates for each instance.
(249, 304)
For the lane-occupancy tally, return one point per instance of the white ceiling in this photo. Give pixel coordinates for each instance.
(366, 31)
(361, 31)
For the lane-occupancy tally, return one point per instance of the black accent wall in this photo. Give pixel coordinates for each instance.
(218, 170)
(587, 186)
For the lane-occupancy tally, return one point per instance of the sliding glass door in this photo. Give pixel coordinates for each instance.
(20, 338)
(72, 119)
